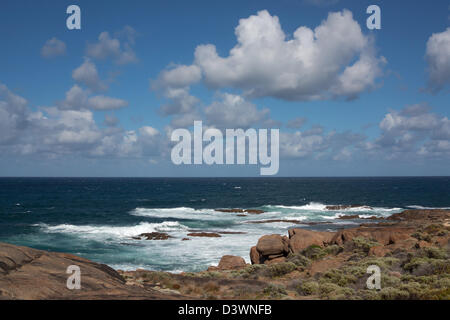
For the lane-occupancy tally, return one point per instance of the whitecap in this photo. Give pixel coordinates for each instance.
(113, 231)
(427, 208)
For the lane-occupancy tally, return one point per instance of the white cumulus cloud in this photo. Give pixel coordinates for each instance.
(233, 111)
(438, 58)
(101, 102)
(53, 48)
(87, 74)
(333, 60)
(109, 47)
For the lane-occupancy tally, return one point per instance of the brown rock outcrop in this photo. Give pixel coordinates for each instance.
(255, 257)
(393, 235)
(273, 244)
(269, 247)
(414, 215)
(379, 251)
(229, 262)
(300, 239)
(383, 235)
(275, 260)
(27, 273)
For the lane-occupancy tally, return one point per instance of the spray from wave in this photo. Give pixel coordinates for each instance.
(115, 231)
(427, 208)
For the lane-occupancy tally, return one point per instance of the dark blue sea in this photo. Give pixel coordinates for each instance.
(97, 218)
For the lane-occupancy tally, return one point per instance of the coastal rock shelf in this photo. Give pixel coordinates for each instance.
(411, 248)
(387, 236)
(27, 273)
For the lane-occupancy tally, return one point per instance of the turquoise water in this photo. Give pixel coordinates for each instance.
(96, 218)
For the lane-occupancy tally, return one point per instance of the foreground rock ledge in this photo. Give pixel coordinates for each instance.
(27, 273)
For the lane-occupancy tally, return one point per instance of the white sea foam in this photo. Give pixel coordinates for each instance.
(315, 206)
(197, 253)
(427, 208)
(298, 218)
(181, 213)
(312, 211)
(319, 210)
(115, 231)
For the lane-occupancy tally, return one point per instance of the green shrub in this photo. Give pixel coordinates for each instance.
(436, 229)
(299, 260)
(329, 290)
(390, 281)
(367, 294)
(254, 268)
(339, 277)
(390, 293)
(279, 269)
(213, 274)
(385, 263)
(421, 236)
(308, 288)
(364, 244)
(156, 276)
(314, 252)
(274, 291)
(355, 270)
(334, 249)
(435, 253)
(426, 266)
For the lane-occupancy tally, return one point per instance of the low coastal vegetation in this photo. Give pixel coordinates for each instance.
(423, 274)
(413, 260)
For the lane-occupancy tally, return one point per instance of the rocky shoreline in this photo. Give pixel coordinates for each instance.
(411, 248)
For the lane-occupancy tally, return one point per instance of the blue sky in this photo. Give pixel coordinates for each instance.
(113, 116)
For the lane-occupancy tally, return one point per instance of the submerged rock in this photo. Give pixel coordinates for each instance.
(349, 217)
(251, 211)
(254, 211)
(275, 220)
(347, 206)
(356, 216)
(204, 234)
(153, 236)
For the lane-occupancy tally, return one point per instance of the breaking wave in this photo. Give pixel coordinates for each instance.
(115, 231)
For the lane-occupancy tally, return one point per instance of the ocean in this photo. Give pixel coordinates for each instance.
(97, 218)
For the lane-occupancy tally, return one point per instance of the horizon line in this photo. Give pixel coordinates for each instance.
(215, 177)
